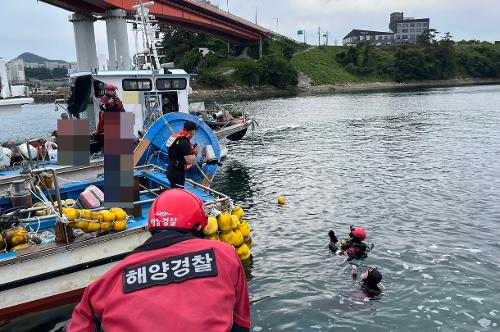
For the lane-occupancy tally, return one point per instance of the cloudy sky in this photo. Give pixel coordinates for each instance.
(31, 26)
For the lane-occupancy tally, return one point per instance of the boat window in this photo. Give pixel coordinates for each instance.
(99, 89)
(142, 84)
(171, 83)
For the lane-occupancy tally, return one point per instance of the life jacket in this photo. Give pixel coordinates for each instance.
(171, 142)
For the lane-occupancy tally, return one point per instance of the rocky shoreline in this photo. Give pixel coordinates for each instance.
(262, 92)
(238, 93)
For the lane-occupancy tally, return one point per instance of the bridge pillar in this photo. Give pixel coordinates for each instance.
(260, 47)
(116, 29)
(86, 53)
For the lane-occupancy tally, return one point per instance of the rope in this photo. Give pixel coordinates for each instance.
(73, 181)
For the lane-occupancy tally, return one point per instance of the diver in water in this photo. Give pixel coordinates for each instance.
(370, 281)
(353, 247)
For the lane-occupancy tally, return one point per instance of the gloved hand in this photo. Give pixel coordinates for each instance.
(332, 236)
(343, 242)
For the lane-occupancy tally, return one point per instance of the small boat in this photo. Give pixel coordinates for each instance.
(59, 257)
(12, 97)
(225, 119)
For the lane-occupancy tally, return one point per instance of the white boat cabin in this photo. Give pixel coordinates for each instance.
(145, 93)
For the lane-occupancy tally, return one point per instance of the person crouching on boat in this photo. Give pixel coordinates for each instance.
(181, 154)
(353, 247)
(109, 103)
(176, 281)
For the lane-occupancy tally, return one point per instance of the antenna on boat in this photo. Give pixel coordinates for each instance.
(151, 38)
(149, 32)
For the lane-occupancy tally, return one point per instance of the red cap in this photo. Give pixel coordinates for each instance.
(110, 87)
(177, 208)
(359, 233)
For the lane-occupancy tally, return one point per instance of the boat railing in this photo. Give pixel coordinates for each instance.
(59, 102)
(221, 198)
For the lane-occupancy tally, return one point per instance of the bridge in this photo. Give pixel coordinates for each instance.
(189, 14)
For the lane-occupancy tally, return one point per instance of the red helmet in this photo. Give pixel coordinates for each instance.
(110, 87)
(177, 208)
(359, 233)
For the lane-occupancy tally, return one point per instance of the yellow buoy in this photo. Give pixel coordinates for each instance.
(40, 213)
(108, 216)
(238, 211)
(227, 237)
(82, 224)
(281, 200)
(92, 227)
(244, 228)
(106, 225)
(243, 251)
(20, 246)
(235, 222)
(86, 214)
(237, 238)
(212, 226)
(120, 214)
(71, 213)
(17, 239)
(119, 225)
(97, 216)
(225, 222)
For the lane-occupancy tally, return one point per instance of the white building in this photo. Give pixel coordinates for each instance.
(15, 69)
(403, 30)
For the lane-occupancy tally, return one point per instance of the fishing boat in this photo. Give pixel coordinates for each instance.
(149, 94)
(58, 256)
(224, 118)
(150, 90)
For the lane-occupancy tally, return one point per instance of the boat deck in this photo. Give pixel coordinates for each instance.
(156, 179)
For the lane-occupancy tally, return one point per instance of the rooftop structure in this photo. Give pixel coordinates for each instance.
(403, 30)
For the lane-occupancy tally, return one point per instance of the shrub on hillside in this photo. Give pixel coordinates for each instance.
(248, 72)
(189, 61)
(213, 80)
(277, 71)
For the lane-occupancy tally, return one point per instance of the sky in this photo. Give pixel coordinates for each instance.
(33, 26)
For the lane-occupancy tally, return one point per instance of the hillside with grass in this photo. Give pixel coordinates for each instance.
(320, 65)
(430, 59)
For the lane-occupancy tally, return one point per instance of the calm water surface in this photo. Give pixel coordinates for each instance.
(419, 170)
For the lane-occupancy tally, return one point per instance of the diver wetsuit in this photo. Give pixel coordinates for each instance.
(353, 247)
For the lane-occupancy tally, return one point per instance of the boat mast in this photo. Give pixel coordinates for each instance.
(150, 32)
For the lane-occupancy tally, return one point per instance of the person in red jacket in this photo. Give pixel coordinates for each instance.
(174, 282)
(109, 103)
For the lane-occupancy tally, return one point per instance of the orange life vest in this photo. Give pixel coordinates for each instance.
(173, 140)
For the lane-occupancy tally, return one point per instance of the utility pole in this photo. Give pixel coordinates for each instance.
(228, 47)
(277, 26)
(256, 14)
(319, 36)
